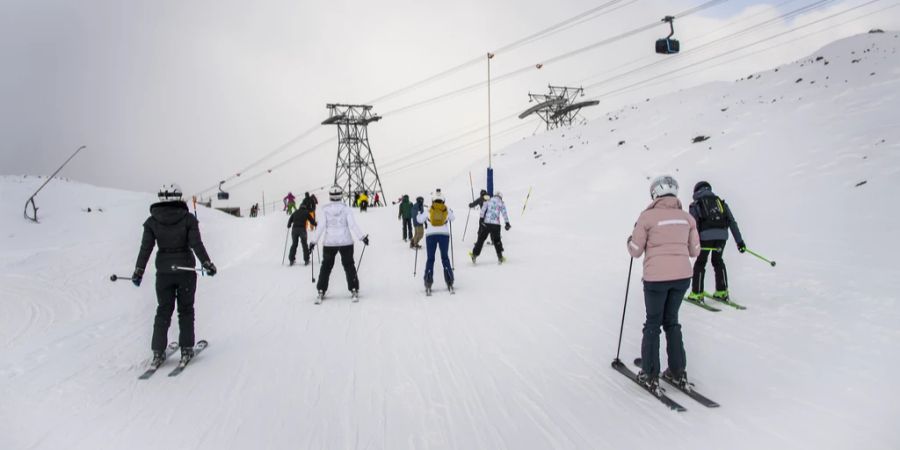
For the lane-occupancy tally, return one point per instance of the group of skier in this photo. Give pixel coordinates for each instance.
(664, 234)
(667, 237)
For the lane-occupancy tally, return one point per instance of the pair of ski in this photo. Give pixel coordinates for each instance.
(687, 389)
(354, 297)
(708, 307)
(449, 288)
(170, 350)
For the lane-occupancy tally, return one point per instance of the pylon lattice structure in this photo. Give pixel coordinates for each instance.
(559, 107)
(355, 169)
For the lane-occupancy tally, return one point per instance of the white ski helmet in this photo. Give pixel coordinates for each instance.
(663, 185)
(335, 193)
(499, 195)
(169, 192)
(437, 197)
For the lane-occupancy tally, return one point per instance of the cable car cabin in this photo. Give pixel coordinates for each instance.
(667, 46)
(222, 195)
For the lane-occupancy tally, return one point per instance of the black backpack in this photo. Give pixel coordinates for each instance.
(712, 212)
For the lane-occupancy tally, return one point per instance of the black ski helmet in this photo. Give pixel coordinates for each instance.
(702, 185)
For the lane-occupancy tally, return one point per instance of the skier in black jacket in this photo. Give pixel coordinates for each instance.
(714, 220)
(298, 221)
(479, 202)
(175, 231)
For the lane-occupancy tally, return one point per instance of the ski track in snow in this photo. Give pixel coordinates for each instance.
(520, 356)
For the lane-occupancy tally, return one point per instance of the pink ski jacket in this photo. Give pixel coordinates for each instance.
(668, 235)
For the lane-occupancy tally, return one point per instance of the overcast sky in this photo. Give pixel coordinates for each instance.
(192, 91)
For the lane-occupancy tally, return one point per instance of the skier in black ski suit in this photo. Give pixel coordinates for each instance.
(175, 231)
(298, 221)
(479, 202)
(714, 219)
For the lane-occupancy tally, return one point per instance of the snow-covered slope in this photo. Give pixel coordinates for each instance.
(519, 358)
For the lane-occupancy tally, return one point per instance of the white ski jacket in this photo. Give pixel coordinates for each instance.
(337, 224)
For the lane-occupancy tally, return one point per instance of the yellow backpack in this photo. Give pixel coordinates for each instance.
(437, 214)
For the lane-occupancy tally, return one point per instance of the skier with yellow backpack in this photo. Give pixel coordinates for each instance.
(438, 235)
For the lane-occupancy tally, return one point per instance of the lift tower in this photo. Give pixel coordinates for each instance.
(355, 169)
(559, 107)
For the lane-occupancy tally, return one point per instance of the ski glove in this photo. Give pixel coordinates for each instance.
(508, 226)
(137, 276)
(210, 268)
(312, 245)
(365, 240)
(741, 247)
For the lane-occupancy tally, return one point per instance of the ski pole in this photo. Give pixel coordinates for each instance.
(416, 262)
(711, 249)
(312, 267)
(189, 269)
(361, 257)
(286, 233)
(452, 258)
(119, 277)
(466, 228)
(771, 263)
(622, 326)
(526, 201)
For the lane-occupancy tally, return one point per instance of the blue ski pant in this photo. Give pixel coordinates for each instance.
(432, 243)
(662, 300)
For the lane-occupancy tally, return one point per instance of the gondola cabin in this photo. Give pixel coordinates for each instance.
(222, 195)
(667, 45)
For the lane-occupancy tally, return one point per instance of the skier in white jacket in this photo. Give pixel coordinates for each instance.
(339, 229)
(437, 236)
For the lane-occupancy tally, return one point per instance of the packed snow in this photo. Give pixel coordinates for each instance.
(806, 155)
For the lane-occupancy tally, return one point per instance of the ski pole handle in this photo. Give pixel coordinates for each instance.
(188, 269)
(771, 263)
(119, 277)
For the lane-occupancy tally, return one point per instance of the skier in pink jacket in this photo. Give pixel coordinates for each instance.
(667, 237)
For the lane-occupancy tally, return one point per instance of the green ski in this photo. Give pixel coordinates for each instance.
(702, 304)
(726, 301)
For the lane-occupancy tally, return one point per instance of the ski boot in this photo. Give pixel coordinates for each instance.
(428, 289)
(721, 295)
(473, 256)
(158, 359)
(501, 259)
(698, 296)
(450, 288)
(187, 354)
(320, 297)
(306, 262)
(679, 380)
(291, 263)
(650, 383)
(354, 295)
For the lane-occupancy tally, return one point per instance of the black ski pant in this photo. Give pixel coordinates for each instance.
(328, 255)
(481, 227)
(492, 230)
(718, 266)
(662, 300)
(172, 289)
(298, 232)
(407, 228)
